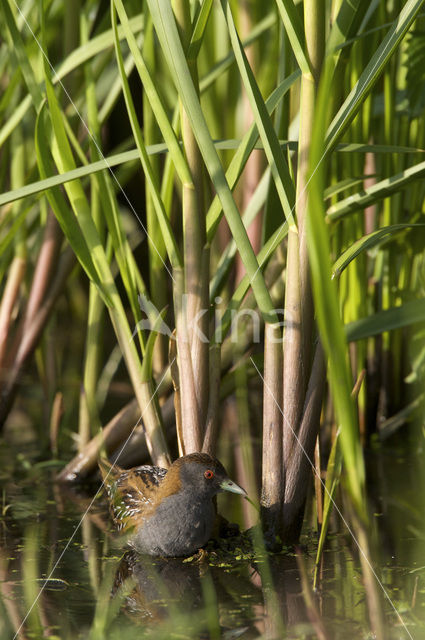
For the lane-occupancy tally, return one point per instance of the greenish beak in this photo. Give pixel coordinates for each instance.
(229, 485)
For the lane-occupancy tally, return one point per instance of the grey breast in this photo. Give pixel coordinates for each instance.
(179, 526)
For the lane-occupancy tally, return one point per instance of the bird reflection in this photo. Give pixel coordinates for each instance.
(186, 594)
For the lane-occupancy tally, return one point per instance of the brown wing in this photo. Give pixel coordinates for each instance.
(130, 492)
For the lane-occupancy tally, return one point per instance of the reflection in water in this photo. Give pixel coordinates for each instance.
(187, 595)
(222, 595)
(262, 601)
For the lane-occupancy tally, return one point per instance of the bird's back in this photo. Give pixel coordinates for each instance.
(130, 492)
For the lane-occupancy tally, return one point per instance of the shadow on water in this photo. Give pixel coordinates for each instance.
(68, 580)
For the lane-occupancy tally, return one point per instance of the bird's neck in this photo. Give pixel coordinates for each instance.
(170, 485)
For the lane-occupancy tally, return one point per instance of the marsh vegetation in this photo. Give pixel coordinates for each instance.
(212, 239)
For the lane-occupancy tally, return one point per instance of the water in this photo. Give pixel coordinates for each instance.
(43, 535)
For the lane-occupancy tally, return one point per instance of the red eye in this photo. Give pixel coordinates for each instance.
(208, 474)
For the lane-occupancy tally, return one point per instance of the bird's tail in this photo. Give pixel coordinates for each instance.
(108, 470)
(111, 474)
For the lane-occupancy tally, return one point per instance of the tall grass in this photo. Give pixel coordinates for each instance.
(123, 148)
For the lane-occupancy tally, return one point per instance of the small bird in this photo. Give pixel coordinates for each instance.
(168, 512)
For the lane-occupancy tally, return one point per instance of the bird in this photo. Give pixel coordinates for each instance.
(167, 512)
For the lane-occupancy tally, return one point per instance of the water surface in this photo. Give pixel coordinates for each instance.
(62, 574)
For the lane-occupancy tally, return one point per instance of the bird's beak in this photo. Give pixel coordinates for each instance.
(229, 485)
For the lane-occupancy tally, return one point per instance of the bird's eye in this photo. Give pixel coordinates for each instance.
(208, 474)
